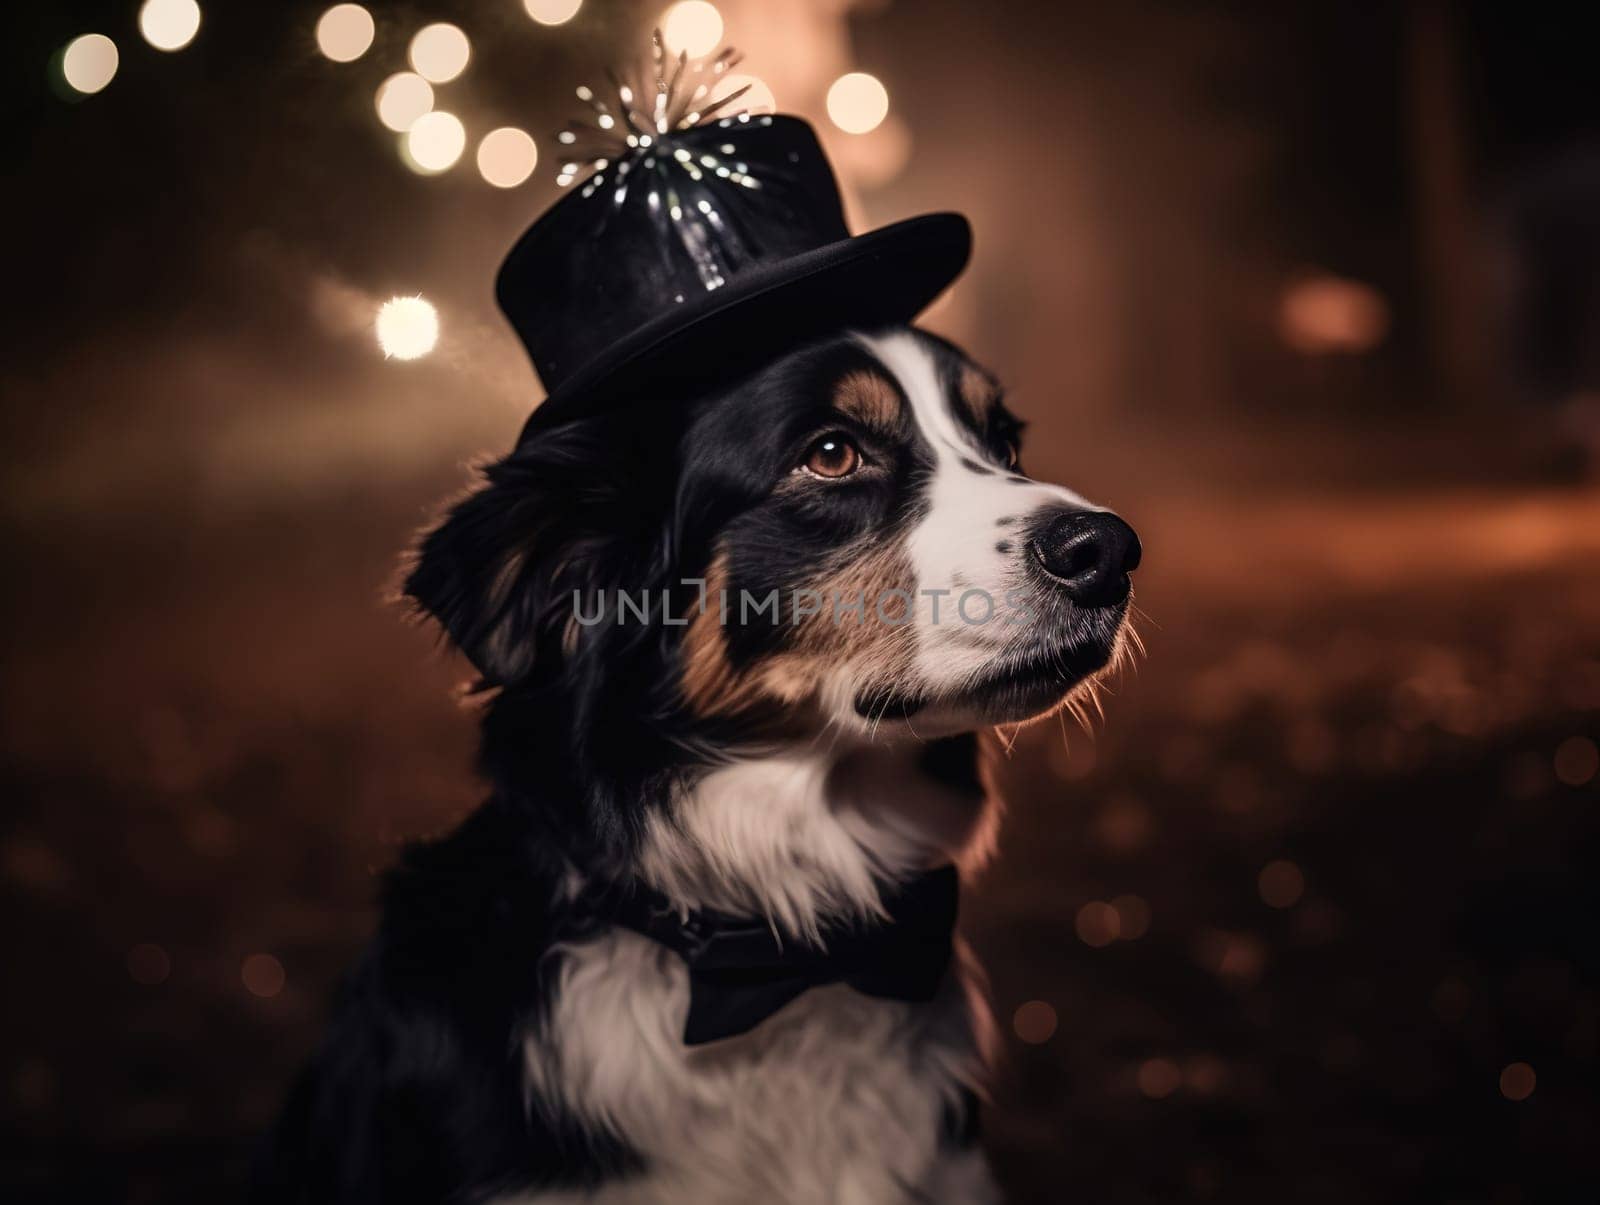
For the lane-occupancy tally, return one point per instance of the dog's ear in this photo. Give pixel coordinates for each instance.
(498, 571)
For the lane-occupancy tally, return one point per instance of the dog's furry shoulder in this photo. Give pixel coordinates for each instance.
(420, 1086)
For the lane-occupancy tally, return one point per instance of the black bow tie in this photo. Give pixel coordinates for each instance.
(740, 973)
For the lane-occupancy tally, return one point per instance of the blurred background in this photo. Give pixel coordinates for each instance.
(1310, 293)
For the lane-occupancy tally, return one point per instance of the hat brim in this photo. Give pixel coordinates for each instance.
(881, 278)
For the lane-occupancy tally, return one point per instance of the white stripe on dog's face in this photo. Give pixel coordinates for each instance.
(971, 539)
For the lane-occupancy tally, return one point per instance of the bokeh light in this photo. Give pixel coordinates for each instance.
(435, 141)
(407, 327)
(1133, 917)
(1098, 924)
(1034, 1022)
(440, 52)
(1238, 957)
(401, 99)
(1324, 315)
(89, 62)
(1518, 1081)
(1281, 884)
(345, 32)
(169, 24)
(262, 975)
(552, 12)
(507, 157)
(757, 99)
(1159, 1078)
(1577, 761)
(1204, 1074)
(858, 102)
(693, 27)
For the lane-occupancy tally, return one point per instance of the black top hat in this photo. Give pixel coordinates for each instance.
(701, 243)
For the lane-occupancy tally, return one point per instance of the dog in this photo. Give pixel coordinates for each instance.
(664, 744)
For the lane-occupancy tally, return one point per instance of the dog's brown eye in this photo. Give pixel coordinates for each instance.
(1011, 454)
(832, 455)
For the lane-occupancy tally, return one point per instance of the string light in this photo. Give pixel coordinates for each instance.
(507, 157)
(169, 24)
(552, 12)
(1159, 1078)
(440, 52)
(1518, 1081)
(262, 975)
(401, 99)
(407, 328)
(435, 141)
(1133, 917)
(1577, 760)
(89, 62)
(1325, 315)
(1281, 884)
(691, 27)
(858, 103)
(345, 32)
(1098, 924)
(1034, 1022)
(1204, 1074)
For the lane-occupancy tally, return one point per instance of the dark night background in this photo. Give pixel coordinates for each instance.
(1310, 292)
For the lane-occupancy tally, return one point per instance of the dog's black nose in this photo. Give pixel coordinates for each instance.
(1090, 553)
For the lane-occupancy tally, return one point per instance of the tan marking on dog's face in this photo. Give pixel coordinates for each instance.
(877, 572)
(822, 649)
(871, 399)
(711, 686)
(978, 392)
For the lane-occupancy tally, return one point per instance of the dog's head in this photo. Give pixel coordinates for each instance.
(844, 540)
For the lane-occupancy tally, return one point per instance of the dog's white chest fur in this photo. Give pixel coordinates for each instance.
(837, 1099)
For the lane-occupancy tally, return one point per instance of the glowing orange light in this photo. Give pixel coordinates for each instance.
(1281, 884)
(262, 975)
(1325, 315)
(1204, 1074)
(1577, 761)
(1159, 1078)
(1133, 917)
(1034, 1022)
(1236, 956)
(858, 102)
(693, 27)
(1097, 924)
(1518, 1081)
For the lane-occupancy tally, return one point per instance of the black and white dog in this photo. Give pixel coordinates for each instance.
(672, 755)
